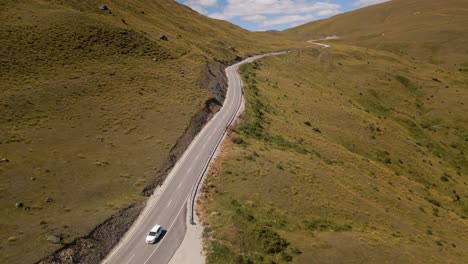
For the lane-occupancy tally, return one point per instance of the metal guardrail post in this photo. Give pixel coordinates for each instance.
(205, 168)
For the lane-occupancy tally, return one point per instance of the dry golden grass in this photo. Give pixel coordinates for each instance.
(92, 102)
(429, 30)
(350, 155)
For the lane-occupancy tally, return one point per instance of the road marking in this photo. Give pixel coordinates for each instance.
(172, 224)
(169, 203)
(130, 260)
(233, 76)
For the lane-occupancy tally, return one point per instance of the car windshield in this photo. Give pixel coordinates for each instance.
(152, 233)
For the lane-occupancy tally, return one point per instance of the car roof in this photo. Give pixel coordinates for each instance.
(155, 228)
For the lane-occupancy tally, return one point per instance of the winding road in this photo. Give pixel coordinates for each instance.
(168, 205)
(315, 42)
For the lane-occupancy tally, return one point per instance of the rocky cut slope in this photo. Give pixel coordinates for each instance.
(95, 107)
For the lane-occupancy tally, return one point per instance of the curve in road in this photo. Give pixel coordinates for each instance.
(316, 41)
(168, 205)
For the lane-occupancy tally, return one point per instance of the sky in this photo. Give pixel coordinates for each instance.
(259, 15)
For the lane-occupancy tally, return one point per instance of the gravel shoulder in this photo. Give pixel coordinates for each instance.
(191, 249)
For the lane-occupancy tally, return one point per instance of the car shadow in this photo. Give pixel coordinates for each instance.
(163, 233)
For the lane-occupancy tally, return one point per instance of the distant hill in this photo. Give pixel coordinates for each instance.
(432, 30)
(355, 153)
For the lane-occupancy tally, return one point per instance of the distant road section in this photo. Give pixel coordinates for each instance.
(315, 42)
(168, 205)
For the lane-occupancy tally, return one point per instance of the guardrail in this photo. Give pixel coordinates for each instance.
(212, 153)
(207, 164)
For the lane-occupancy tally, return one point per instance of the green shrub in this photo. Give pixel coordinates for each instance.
(286, 257)
(219, 253)
(238, 141)
(407, 83)
(326, 225)
(434, 202)
(269, 240)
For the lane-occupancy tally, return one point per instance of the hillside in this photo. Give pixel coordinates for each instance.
(432, 30)
(344, 155)
(352, 154)
(95, 108)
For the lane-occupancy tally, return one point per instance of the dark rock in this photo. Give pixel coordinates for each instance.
(103, 8)
(163, 37)
(54, 239)
(4, 160)
(19, 205)
(48, 200)
(32, 178)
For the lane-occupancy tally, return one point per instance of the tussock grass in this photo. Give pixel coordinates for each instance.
(385, 168)
(92, 102)
(429, 30)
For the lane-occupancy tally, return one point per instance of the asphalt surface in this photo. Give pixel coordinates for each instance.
(168, 205)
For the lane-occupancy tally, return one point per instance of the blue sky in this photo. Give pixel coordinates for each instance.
(260, 15)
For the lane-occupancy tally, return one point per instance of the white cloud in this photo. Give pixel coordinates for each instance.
(201, 2)
(363, 3)
(267, 13)
(282, 20)
(199, 9)
(200, 5)
(238, 8)
(218, 16)
(254, 18)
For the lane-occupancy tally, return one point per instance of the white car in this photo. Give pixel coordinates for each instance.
(153, 234)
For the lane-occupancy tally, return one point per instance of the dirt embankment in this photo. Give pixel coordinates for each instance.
(94, 247)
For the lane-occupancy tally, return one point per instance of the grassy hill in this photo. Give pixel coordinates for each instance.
(344, 155)
(95, 108)
(352, 154)
(431, 30)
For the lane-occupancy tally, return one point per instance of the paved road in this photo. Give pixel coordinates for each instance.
(168, 205)
(320, 44)
(315, 41)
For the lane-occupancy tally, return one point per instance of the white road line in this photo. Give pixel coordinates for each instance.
(169, 203)
(130, 260)
(176, 170)
(172, 224)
